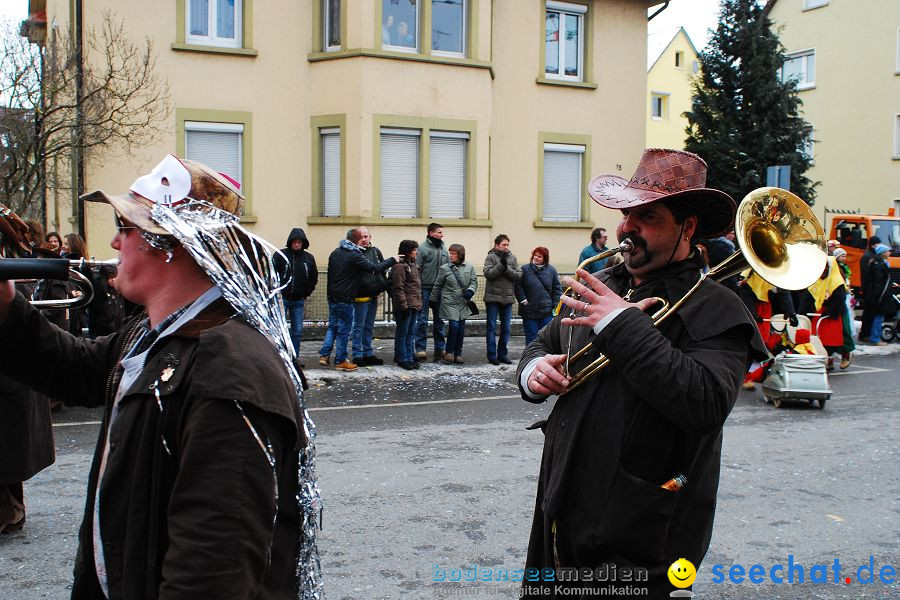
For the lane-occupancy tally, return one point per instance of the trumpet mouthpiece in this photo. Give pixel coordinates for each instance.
(626, 245)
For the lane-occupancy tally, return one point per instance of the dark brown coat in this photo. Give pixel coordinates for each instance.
(406, 292)
(198, 520)
(656, 412)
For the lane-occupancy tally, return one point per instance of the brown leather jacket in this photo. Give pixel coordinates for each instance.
(190, 504)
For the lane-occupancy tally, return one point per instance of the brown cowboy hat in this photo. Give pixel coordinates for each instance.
(668, 175)
(173, 181)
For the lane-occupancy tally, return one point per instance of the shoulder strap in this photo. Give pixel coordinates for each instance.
(458, 280)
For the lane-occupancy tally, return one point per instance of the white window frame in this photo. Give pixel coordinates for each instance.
(323, 132)
(897, 136)
(414, 49)
(573, 149)
(325, 20)
(394, 131)
(237, 128)
(457, 135)
(897, 65)
(577, 10)
(465, 33)
(212, 39)
(804, 82)
(664, 106)
(811, 4)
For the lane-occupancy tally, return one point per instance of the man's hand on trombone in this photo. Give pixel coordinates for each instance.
(596, 301)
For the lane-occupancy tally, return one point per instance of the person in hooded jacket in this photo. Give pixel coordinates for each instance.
(298, 273)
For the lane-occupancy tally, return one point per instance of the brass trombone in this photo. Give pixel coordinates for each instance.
(29, 270)
(779, 237)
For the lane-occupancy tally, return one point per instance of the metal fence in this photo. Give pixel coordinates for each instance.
(316, 308)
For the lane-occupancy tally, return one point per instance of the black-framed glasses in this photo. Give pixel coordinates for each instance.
(121, 227)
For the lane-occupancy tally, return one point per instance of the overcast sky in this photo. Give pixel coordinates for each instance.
(697, 17)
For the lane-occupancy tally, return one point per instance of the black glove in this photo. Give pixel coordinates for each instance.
(792, 319)
(503, 260)
(468, 294)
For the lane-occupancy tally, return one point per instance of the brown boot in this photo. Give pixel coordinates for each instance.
(846, 359)
(458, 360)
(447, 358)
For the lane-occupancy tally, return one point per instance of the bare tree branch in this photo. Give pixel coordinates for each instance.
(124, 103)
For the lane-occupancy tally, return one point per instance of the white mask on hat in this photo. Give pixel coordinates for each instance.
(168, 183)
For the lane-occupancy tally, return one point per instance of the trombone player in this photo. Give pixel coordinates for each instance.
(630, 465)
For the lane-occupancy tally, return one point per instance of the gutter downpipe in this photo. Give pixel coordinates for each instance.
(664, 7)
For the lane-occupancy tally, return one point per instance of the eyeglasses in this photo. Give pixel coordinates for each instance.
(121, 227)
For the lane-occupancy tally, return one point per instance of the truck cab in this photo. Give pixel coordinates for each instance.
(852, 231)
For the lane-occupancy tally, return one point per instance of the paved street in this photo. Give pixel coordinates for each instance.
(433, 471)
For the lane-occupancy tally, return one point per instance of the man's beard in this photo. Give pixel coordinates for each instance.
(645, 256)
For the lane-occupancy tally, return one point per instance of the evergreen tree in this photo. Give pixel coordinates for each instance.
(743, 117)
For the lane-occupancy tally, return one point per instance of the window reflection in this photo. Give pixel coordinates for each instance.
(399, 23)
(448, 26)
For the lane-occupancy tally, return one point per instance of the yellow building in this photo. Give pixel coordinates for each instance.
(487, 116)
(672, 65)
(846, 58)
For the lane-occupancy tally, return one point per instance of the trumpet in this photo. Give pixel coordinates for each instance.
(626, 245)
(779, 237)
(29, 270)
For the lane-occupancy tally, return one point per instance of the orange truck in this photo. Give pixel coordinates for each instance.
(853, 230)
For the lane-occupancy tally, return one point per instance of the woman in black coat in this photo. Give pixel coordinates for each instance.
(538, 293)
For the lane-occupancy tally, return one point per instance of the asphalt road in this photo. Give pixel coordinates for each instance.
(431, 473)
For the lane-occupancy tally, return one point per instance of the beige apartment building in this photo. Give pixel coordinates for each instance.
(672, 65)
(488, 116)
(846, 59)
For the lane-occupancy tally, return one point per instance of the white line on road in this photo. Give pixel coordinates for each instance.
(322, 408)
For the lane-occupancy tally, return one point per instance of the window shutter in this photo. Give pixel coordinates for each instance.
(399, 174)
(331, 172)
(447, 176)
(218, 146)
(562, 183)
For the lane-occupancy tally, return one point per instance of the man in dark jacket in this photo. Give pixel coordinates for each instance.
(298, 272)
(432, 255)
(501, 273)
(631, 457)
(869, 310)
(193, 491)
(365, 305)
(347, 265)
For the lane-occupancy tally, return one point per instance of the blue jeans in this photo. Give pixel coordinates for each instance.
(340, 321)
(364, 328)
(456, 333)
(422, 326)
(532, 326)
(497, 349)
(294, 310)
(405, 338)
(877, 323)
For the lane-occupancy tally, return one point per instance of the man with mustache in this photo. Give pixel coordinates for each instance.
(631, 458)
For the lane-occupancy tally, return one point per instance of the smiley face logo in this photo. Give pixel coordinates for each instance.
(682, 573)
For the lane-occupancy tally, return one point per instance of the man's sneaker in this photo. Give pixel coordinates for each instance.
(324, 360)
(406, 365)
(421, 354)
(360, 361)
(372, 361)
(505, 361)
(493, 361)
(345, 366)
